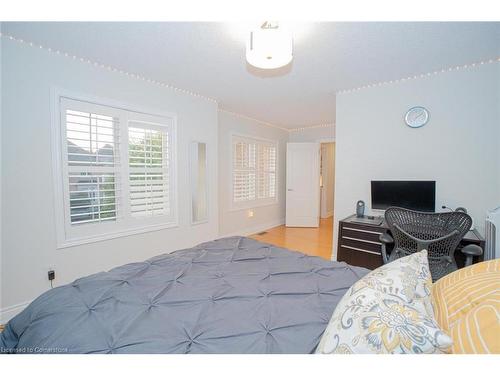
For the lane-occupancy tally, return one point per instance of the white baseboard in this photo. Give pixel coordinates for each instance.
(255, 229)
(334, 255)
(9, 312)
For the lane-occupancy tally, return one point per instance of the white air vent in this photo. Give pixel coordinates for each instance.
(492, 234)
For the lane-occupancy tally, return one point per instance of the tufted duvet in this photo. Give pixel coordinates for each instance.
(233, 295)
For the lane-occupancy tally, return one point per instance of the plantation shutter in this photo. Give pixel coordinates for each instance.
(118, 171)
(266, 167)
(254, 170)
(92, 156)
(148, 169)
(244, 170)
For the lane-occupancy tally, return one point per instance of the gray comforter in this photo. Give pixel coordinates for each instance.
(233, 295)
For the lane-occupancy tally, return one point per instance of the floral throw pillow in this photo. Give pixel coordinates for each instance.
(408, 278)
(387, 311)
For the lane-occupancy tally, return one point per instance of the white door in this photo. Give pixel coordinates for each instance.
(302, 185)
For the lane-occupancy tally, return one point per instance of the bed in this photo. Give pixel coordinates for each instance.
(232, 295)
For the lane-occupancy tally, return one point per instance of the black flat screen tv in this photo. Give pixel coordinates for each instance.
(414, 195)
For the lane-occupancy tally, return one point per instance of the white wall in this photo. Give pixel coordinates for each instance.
(1, 177)
(458, 147)
(233, 222)
(27, 190)
(313, 134)
(328, 174)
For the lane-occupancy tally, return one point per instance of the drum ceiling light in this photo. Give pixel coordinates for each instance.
(269, 46)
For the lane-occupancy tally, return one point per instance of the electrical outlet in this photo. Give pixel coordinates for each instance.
(51, 275)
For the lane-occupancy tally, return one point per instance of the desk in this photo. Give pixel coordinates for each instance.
(358, 243)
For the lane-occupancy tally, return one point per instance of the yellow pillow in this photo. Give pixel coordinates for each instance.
(467, 306)
(479, 330)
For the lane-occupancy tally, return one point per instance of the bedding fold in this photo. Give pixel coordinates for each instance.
(232, 295)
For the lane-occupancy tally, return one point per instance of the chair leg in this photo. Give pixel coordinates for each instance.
(385, 259)
(468, 260)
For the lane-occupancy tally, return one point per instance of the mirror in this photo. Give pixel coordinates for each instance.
(199, 192)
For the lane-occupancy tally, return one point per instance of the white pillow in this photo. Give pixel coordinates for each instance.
(387, 311)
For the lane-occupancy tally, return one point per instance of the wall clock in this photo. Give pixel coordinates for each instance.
(416, 117)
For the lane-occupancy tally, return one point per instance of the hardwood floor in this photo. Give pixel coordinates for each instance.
(311, 241)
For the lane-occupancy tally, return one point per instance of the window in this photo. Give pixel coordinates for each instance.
(91, 143)
(148, 170)
(254, 172)
(116, 169)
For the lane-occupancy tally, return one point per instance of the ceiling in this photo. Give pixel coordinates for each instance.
(209, 58)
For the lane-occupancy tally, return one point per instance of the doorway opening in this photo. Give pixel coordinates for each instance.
(310, 200)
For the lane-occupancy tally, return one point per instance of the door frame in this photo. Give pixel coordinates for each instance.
(323, 195)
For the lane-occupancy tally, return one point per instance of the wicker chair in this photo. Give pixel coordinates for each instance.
(439, 233)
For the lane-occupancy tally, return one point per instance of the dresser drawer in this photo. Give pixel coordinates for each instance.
(360, 245)
(360, 257)
(361, 235)
(364, 228)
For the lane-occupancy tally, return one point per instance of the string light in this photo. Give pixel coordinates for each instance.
(152, 81)
(163, 84)
(253, 119)
(423, 75)
(312, 127)
(276, 126)
(103, 66)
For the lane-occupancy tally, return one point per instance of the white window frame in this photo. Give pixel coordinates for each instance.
(237, 206)
(68, 235)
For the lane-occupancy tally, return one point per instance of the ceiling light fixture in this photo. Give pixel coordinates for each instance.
(269, 47)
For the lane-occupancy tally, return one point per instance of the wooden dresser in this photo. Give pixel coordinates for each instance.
(358, 244)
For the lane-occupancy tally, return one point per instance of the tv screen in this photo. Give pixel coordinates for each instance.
(414, 195)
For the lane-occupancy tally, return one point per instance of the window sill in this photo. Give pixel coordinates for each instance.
(109, 236)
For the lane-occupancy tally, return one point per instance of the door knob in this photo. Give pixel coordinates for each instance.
(290, 189)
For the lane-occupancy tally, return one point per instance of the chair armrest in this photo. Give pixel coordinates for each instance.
(472, 250)
(386, 238)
